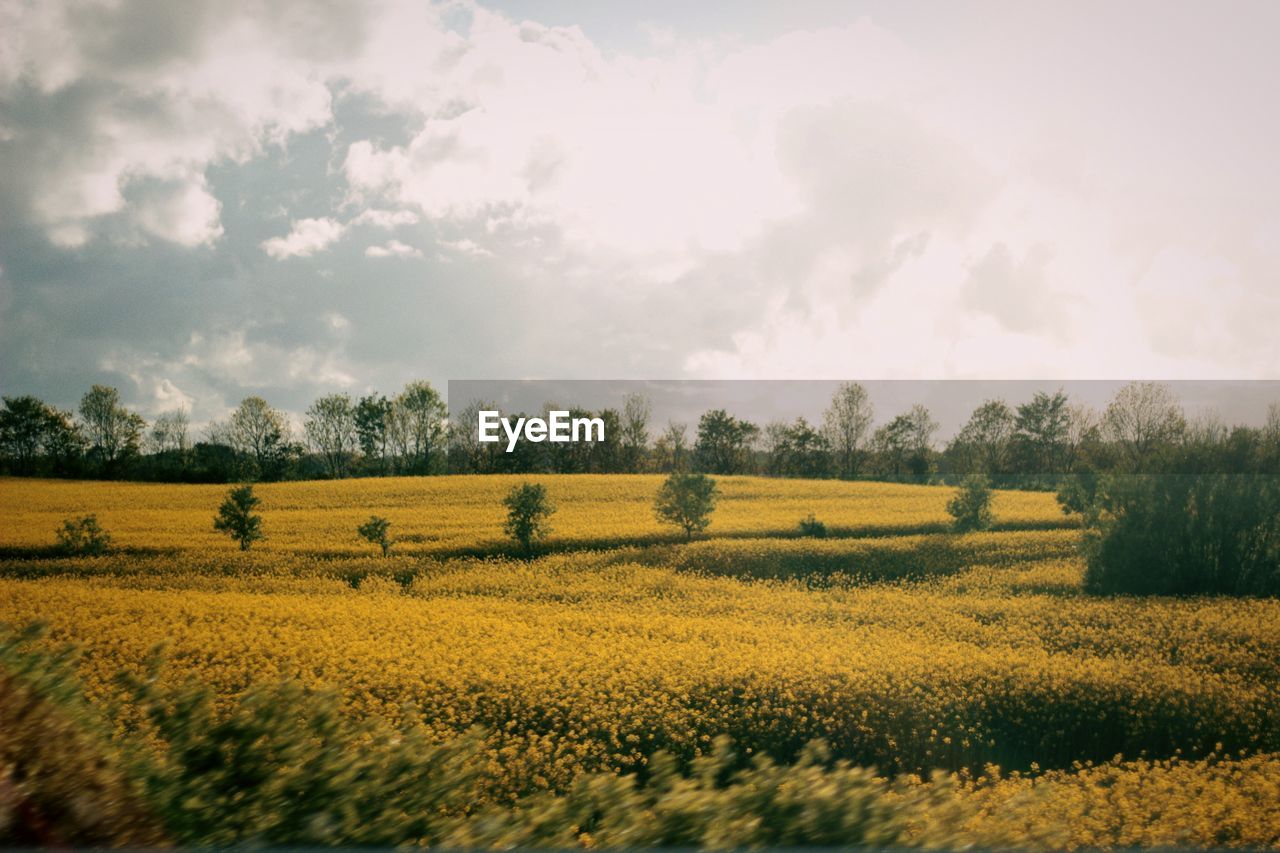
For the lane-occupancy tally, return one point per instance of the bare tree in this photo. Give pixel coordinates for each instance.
(466, 454)
(923, 428)
(258, 431)
(169, 431)
(331, 431)
(1141, 417)
(670, 451)
(635, 430)
(845, 424)
(113, 431)
(1272, 428)
(1082, 426)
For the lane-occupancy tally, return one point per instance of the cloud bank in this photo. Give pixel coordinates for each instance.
(191, 194)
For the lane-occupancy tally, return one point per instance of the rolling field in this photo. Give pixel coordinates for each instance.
(1066, 719)
(445, 516)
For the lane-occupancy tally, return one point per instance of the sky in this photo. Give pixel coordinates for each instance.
(207, 200)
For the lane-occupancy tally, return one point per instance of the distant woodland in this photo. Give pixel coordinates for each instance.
(1031, 443)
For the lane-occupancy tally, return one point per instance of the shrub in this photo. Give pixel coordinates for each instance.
(237, 518)
(61, 781)
(83, 537)
(1184, 534)
(527, 512)
(971, 506)
(284, 765)
(375, 530)
(812, 527)
(720, 804)
(686, 500)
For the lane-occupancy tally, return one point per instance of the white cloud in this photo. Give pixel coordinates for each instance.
(307, 237)
(392, 249)
(182, 212)
(149, 93)
(466, 246)
(620, 153)
(387, 219)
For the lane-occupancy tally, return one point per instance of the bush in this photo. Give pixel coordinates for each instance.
(971, 506)
(686, 500)
(61, 781)
(237, 518)
(284, 765)
(812, 527)
(375, 530)
(722, 805)
(83, 537)
(1184, 534)
(527, 512)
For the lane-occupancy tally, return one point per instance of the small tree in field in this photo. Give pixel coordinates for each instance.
(375, 530)
(237, 518)
(810, 526)
(83, 536)
(971, 506)
(686, 500)
(527, 512)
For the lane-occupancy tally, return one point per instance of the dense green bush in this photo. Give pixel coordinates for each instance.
(528, 511)
(811, 527)
(971, 505)
(83, 537)
(1181, 534)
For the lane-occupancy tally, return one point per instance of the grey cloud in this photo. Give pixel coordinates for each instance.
(1015, 292)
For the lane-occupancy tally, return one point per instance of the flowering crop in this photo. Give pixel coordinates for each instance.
(916, 650)
(452, 515)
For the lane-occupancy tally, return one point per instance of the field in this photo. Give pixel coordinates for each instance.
(1065, 719)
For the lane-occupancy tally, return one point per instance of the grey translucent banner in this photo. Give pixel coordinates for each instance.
(951, 402)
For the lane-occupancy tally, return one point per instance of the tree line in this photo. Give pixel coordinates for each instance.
(1034, 444)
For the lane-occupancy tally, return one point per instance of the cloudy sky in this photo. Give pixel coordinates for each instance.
(203, 200)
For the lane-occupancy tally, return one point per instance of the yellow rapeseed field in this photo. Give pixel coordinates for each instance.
(1070, 719)
(445, 515)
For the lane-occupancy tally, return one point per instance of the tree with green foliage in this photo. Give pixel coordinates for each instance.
(982, 446)
(237, 519)
(375, 530)
(83, 537)
(686, 500)
(416, 426)
(724, 442)
(1042, 434)
(796, 450)
(971, 506)
(372, 415)
(903, 446)
(528, 509)
(31, 429)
